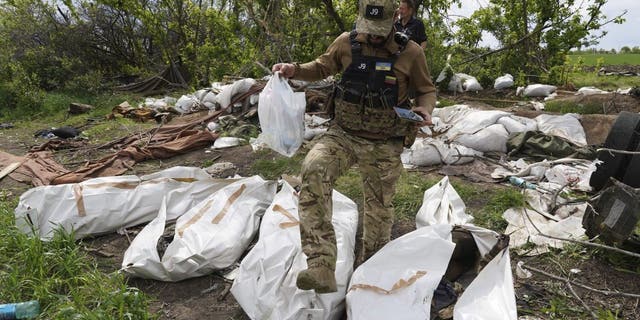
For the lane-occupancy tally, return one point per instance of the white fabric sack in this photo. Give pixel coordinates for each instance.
(503, 82)
(539, 90)
(588, 91)
(227, 142)
(516, 124)
(399, 280)
(474, 122)
(492, 138)
(577, 176)
(265, 286)
(441, 204)
(210, 236)
(281, 115)
(223, 99)
(523, 232)
(106, 204)
(201, 93)
(154, 103)
(469, 83)
(452, 114)
(186, 104)
(565, 126)
(428, 152)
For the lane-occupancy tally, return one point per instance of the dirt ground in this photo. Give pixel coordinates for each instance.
(208, 297)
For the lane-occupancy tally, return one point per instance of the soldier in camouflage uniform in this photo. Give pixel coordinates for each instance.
(377, 72)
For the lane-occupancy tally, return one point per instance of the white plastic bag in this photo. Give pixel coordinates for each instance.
(281, 114)
(106, 204)
(266, 283)
(211, 235)
(441, 204)
(399, 280)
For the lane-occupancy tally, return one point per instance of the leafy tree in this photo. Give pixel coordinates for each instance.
(535, 35)
(625, 49)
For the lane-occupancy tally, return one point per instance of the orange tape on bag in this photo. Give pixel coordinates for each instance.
(206, 208)
(397, 286)
(77, 193)
(294, 222)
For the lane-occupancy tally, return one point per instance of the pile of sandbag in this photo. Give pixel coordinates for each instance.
(461, 132)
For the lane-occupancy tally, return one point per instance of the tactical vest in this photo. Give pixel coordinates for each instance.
(366, 95)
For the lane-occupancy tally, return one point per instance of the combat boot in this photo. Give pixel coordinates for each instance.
(320, 279)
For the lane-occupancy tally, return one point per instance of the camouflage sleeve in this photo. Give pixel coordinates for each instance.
(329, 63)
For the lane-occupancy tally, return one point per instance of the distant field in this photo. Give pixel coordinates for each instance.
(609, 59)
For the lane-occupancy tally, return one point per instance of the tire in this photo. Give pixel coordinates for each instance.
(632, 174)
(624, 135)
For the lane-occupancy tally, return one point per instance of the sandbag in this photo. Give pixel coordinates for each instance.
(428, 152)
(588, 91)
(516, 124)
(187, 103)
(475, 121)
(566, 126)
(469, 83)
(503, 82)
(538, 90)
(227, 92)
(265, 285)
(492, 138)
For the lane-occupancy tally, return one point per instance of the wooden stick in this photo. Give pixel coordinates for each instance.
(611, 151)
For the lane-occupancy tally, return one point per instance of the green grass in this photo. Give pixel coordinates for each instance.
(499, 200)
(54, 105)
(271, 165)
(563, 106)
(607, 59)
(409, 194)
(61, 277)
(611, 83)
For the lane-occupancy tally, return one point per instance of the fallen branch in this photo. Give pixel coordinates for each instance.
(490, 100)
(575, 294)
(583, 286)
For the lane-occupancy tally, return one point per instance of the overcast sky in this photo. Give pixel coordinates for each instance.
(618, 35)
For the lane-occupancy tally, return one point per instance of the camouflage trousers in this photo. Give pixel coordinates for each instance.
(333, 154)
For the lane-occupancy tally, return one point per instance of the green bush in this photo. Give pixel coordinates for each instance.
(19, 93)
